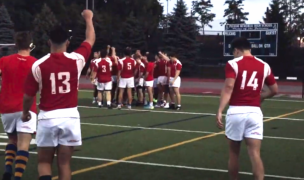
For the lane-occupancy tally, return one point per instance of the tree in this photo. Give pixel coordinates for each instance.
(275, 14)
(202, 8)
(182, 33)
(234, 13)
(43, 23)
(132, 34)
(6, 27)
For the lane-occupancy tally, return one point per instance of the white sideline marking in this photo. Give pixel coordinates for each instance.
(203, 96)
(180, 130)
(174, 166)
(179, 112)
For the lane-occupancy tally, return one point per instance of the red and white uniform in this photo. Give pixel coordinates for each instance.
(150, 78)
(175, 66)
(104, 74)
(155, 75)
(93, 66)
(15, 69)
(56, 76)
(244, 117)
(162, 72)
(126, 66)
(114, 69)
(140, 70)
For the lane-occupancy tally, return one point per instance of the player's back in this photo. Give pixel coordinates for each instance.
(15, 69)
(250, 73)
(128, 66)
(104, 66)
(58, 79)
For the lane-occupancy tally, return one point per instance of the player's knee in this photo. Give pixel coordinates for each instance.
(13, 139)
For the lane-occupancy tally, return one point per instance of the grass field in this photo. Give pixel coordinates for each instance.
(178, 145)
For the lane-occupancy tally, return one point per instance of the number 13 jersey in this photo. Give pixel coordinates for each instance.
(56, 76)
(250, 74)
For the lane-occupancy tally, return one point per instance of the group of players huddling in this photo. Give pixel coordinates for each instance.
(159, 75)
(56, 77)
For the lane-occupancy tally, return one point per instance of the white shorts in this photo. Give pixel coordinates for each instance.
(140, 82)
(114, 79)
(244, 125)
(54, 132)
(155, 82)
(126, 82)
(12, 122)
(177, 82)
(104, 86)
(149, 83)
(162, 80)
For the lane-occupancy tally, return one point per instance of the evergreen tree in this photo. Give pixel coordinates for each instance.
(132, 34)
(43, 23)
(234, 13)
(202, 8)
(6, 27)
(182, 33)
(275, 14)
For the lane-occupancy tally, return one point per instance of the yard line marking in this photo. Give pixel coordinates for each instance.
(208, 96)
(183, 112)
(180, 130)
(165, 148)
(174, 166)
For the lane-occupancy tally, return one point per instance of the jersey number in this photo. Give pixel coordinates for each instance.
(65, 78)
(103, 67)
(253, 82)
(129, 66)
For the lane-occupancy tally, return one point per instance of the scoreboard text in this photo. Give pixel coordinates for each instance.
(263, 38)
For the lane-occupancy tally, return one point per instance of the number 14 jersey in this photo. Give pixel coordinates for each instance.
(250, 74)
(56, 76)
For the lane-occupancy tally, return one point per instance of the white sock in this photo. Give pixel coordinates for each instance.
(108, 102)
(99, 103)
(151, 103)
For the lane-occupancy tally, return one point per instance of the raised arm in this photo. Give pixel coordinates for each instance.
(90, 31)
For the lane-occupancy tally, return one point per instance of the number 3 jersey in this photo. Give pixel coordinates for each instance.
(103, 70)
(250, 74)
(56, 76)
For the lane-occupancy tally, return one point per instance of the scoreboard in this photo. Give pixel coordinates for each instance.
(263, 38)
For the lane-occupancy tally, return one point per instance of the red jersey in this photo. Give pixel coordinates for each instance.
(174, 66)
(114, 66)
(150, 70)
(57, 75)
(103, 70)
(15, 69)
(162, 67)
(249, 73)
(127, 67)
(140, 69)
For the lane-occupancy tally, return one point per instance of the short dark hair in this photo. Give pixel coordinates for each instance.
(127, 51)
(103, 53)
(23, 40)
(172, 54)
(240, 43)
(58, 35)
(151, 57)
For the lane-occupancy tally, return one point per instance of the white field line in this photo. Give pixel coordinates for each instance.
(206, 96)
(181, 112)
(174, 166)
(180, 130)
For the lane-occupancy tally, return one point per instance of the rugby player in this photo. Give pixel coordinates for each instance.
(245, 77)
(114, 59)
(89, 74)
(174, 80)
(162, 82)
(57, 75)
(126, 71)
(14, 69)
(155, 76)
(149, 80)
(103, 74)
(139, 80)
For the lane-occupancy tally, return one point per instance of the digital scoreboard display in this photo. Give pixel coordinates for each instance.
(263, 38)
